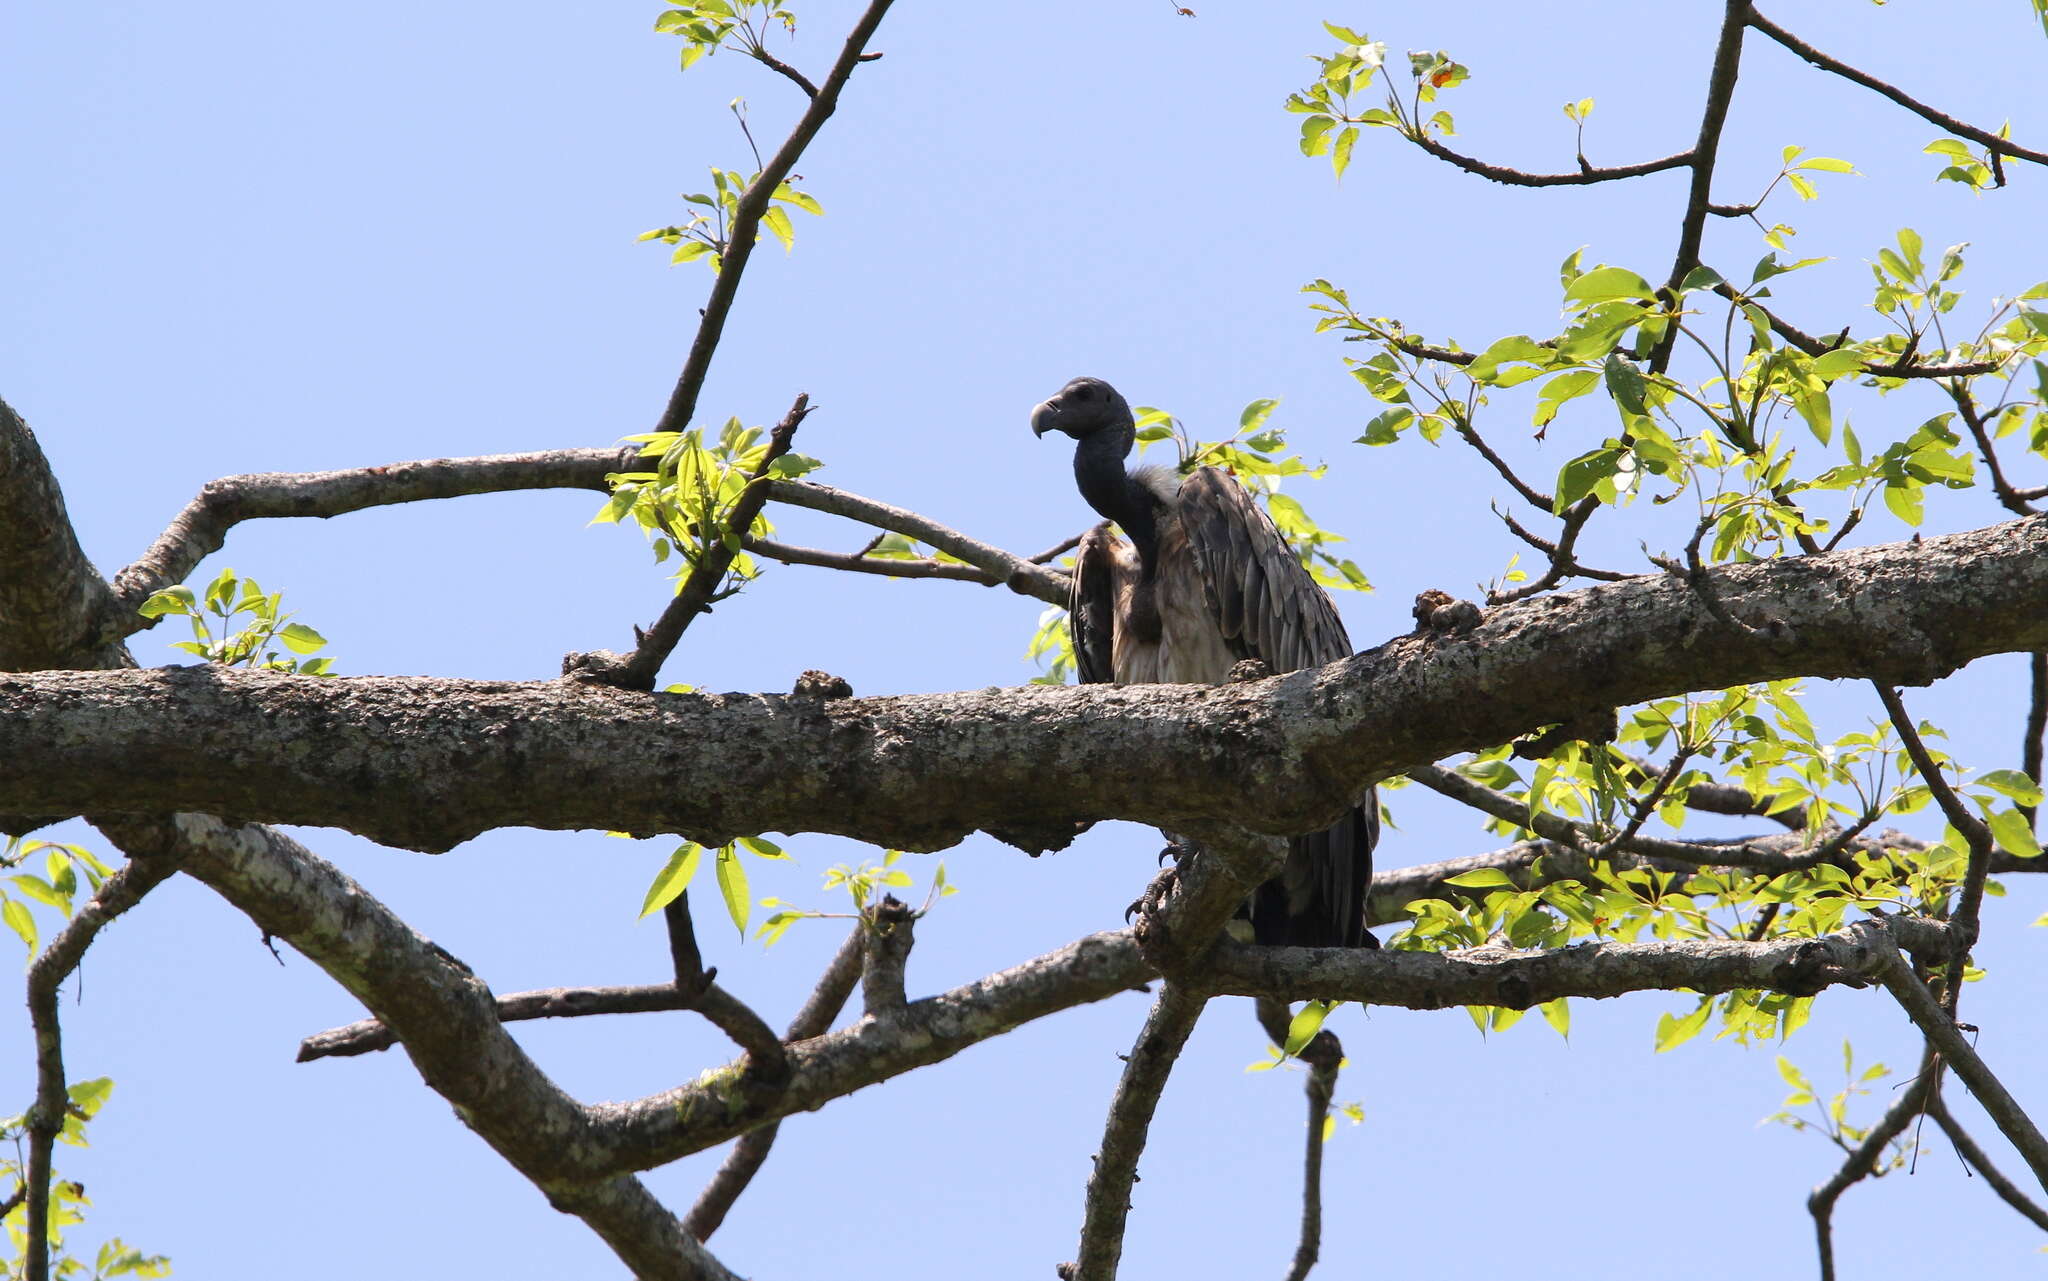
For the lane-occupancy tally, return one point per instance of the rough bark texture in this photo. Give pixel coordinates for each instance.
(426, 763)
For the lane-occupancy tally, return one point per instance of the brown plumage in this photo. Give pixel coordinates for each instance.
(1205, 581)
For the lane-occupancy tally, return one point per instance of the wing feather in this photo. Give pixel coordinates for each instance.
(1091, 606)
(1268, 607)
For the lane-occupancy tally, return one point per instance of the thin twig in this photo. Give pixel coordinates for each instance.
(1956, 1051)
(766, 1061)
(861, 563)
(1057, 550)
(1966, 1147)
(798, 78)
(1777, 853)
(1562, 560)
(696, 594)
(1537, 498)
(1021, 576)
(1963, 919)
(1151, 1061)
(1990, 141)
(1577, 178)
(45, 1117)
(1324, 1055)
(1966, 404)
(1862, 1162)
(751, 1149)
(1699, 196)
(746, 223)
(1902, 367)
(2037, 726)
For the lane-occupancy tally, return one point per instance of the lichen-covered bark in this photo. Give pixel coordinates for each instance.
(426, 763)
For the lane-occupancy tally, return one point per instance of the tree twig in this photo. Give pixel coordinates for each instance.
(1862, 1162)
(1576, 178)
(1984, 138)
(2037, 726)
(1146, 1069)
(1963, 918)
(1021, 576)
(751, 1149)
(724, 1011)
(1699, 197)
(746, 222)
(862, 563)
(695, 595)
(1324, 1056)
(46, 974)
(1966, 1147)
(1956, 1051)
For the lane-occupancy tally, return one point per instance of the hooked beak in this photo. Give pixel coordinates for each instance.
(1045, 417)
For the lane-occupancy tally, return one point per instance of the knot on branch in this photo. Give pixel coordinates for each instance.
(1249, 669)
(1438, 611)
(602, 667)
(890, 925)
(821, 687)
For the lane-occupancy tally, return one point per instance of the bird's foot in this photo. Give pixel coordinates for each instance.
(1156, 896)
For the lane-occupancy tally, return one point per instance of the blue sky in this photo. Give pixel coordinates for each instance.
(247, 237)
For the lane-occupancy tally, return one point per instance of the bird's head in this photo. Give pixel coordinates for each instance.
(1082, 408)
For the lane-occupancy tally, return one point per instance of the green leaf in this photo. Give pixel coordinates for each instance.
(732, 883)
(171, 600)
(2011, 830)
(1484, 878)
(777, 221)
(2013, 783)
(673, 878)
(1315, 134)
(1625, 384)
(1701, 277)
(1558, 1013)
(761, 847)
(1303, 1027)
(1673, 1031)
(18, 919)
(1581, 475)
(1906, 501)
(299, 638)
(1603, 283)
(1255, 415)
(1340, 156)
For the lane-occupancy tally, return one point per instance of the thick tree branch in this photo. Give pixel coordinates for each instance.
(202, 528)
(1961, 129)
(425, 763)
(746, 222)
(1146, 1068)
(663, 1127)
(1024, 577)
(444, 1015)
(51, 598)
(46, 974)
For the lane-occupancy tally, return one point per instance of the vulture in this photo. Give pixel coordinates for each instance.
(1205, 582)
